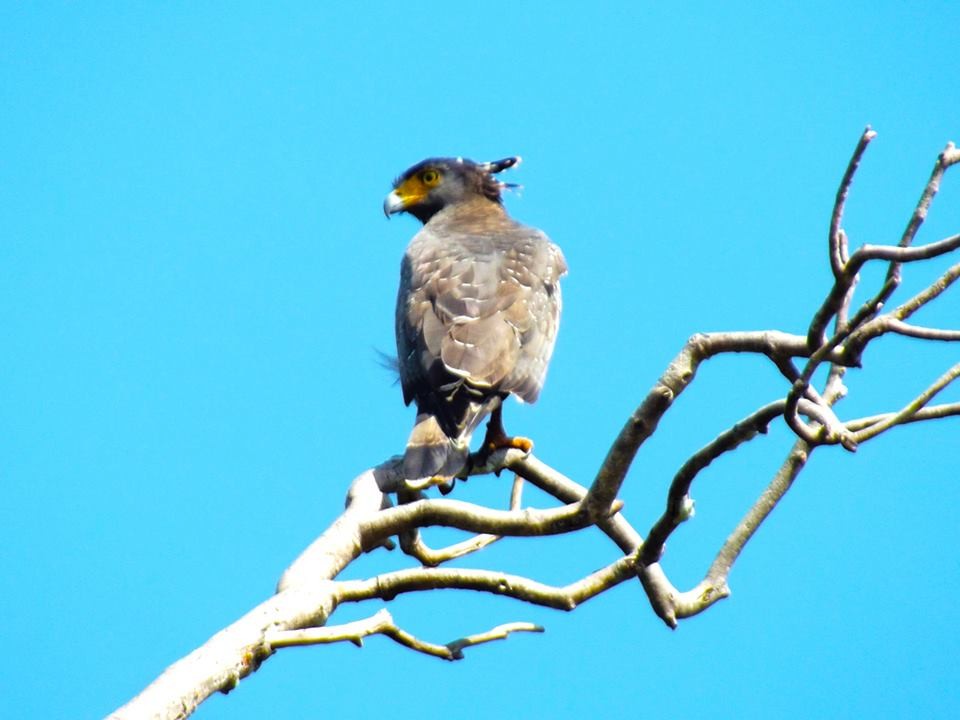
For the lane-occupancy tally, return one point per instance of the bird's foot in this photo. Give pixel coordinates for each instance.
(495, 441)
(508, 443)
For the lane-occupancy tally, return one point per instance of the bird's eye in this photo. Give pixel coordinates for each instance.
(430, 177)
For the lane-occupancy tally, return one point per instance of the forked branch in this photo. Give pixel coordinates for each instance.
(381, 506)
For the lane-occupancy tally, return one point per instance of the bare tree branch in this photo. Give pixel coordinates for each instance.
(838, 238)
(841, 294)
(353, 632)
(381, 505)
(948, 157)
(388, 585)
(382, 623)
(679, 505)
(893, 321)
(412, 543)
(781, 483)
(679, 374)
(923, 333)
(932, 292)
(566, 490)
(500, 632)
(846, 274)
(911, 408)
(362, 528)
(932, 412)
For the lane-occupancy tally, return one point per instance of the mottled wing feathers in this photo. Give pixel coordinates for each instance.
(476, 318)
(531, 280)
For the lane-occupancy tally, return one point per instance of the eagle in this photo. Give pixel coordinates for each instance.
(477, 312)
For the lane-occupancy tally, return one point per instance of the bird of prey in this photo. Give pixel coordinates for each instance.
(477, 311)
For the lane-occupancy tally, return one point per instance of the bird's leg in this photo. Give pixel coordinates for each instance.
(497, 439)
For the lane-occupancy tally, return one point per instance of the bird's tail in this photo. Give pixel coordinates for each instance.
(431, 453)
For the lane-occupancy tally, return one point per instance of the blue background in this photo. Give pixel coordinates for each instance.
(195, 276)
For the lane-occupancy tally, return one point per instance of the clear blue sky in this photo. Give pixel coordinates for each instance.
(195, 274)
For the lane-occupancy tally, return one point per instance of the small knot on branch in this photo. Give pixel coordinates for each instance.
(949, 156)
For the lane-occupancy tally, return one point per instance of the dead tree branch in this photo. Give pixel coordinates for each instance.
(382, 623)
(380, 505)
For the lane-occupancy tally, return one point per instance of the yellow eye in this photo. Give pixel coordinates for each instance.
(430, 177)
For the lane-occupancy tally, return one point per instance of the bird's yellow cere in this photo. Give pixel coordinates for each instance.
(416, 187)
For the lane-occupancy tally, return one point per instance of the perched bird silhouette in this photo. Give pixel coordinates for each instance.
(477, 311)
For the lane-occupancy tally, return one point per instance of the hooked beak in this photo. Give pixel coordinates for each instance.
(393, 204)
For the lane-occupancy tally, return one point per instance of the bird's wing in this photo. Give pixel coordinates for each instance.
(477, 313)
(532, 267)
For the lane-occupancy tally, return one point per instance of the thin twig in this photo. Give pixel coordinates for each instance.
(837, 238)
(910, 408)
(412, 544)
(930, 412)
(500, 632)
(931, 292)
(949, 156)
(411, 541)
(516, 492)
(923, 333)
(382, 623)
(889, 322)
(353, 632)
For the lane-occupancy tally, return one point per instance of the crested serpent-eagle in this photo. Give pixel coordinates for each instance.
(477, 311)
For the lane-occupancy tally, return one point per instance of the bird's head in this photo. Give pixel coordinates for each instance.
(431, 185)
